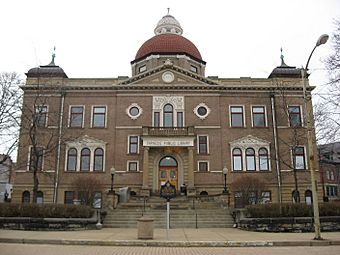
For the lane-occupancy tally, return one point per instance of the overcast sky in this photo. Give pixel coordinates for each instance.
(99, 38)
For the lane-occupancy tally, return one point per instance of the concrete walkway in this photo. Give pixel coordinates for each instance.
(217, 237)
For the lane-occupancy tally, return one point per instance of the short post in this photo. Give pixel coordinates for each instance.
(225, 172)
(168, 191)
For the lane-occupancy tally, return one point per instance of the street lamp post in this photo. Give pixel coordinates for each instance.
(309, 117)
(225, 172)
(112, 171)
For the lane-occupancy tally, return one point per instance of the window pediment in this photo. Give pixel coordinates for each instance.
(85, 141)
(249, 141)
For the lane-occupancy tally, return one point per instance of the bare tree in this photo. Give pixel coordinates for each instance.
(42, 133)
(248, 189)
(10, 106)
(86, 187)
(327, 110)
(294, 137)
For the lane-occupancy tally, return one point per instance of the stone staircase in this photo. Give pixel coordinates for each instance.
(184, 213)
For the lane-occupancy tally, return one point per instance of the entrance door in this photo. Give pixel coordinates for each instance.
(168, 171)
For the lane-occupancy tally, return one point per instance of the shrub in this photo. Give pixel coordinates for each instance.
(291, 210)
(45, 211)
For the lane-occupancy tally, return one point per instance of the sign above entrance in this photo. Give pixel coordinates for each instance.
(168, 142)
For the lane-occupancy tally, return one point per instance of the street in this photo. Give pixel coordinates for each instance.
(32, 249)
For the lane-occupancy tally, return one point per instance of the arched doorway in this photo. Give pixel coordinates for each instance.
(168, 171)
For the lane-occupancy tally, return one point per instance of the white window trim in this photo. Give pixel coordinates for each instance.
(202, 105)
(128, 143)
(131, 106)
(198, 166)
(92, 147)
(243, 114)
(305, 156)
(47, 112)
(142, 69)
(69, 116)
(198, 147)
(265, 115)
(92, 107)
(301, 114)
(232, 159)
(177, 102)
(29, 158)
(256, 148)
(132, 161)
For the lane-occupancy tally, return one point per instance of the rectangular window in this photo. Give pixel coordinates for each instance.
(133, 144)
(76, 116)
(180, 119)
(299, 158)
(36, 158)
(84, 197)
(236, 118)
(294, 114)
(133, 166)
(97, 200)
(203, 166)
(193, 69)
(68, 197)
(259, 117)
(156, 120)
(40, 117)
(265, 197)
(98, 116)
(142, 69)
(332, 191)
(202, 144)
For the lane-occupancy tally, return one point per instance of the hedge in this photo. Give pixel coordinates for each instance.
(45, 210)
(291, 210)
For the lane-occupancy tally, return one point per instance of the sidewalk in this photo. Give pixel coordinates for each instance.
(217, 237)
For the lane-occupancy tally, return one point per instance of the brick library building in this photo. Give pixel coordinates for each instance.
(167, 122)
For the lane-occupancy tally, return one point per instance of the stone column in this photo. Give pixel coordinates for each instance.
(145, 189)
(191, 184)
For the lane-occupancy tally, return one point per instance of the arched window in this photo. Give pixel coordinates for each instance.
(308, 197)
(168, 113)
(250, 159)
(85, 160)
(98, 159)
(264, 161)
(168, 161)
(40, 197)
(26, 197)
(72, 159)
(237, 159)
(296, 196)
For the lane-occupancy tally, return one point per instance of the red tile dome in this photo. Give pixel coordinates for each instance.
(168, 44)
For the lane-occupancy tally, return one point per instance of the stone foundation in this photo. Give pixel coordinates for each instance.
(287, 224)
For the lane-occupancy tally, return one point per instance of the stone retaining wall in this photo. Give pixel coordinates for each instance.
(27, 223)
(289, 224)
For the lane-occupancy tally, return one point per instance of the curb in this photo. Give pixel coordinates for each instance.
(151, 243)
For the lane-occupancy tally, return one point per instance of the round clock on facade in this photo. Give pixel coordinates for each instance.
(168, 77)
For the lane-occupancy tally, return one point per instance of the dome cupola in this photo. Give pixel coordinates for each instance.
(168, 24)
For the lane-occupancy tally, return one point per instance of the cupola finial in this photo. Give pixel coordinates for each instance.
(53, 57)
(282, 58)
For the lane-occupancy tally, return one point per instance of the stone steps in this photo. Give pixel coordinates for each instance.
(209, 214)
